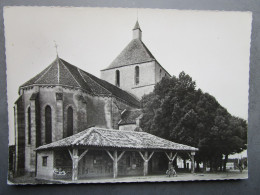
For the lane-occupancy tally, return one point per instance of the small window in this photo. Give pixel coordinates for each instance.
(117, 78)
(48, 125)
(44, 161)
(29, 125)
(137, 73)
(69, 122)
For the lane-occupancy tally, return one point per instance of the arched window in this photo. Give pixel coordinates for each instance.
(118, 78)
(69, 122)
(29, 124)
(48, 125)
(137, 73)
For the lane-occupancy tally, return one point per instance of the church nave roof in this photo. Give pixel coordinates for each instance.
(62, 73)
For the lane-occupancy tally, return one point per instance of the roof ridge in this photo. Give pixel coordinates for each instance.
(109, 84)
(45, 71)
(79, 70)
(119, 130)
(71, 74)
(88, 131)
(94, 130)
(58, 67)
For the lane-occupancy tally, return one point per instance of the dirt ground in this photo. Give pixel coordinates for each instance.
(235, 174)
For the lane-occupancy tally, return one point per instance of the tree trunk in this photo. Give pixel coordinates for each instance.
(185, 166)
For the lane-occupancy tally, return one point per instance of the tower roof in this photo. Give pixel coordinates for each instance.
(135, 52)
(137, 26)
(62, 73)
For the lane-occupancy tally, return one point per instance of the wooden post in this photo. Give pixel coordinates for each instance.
(171, 159)
(145, 163)
(115, 160)
(75, 162)
(146, 160)
(191, 155)
(115, 168)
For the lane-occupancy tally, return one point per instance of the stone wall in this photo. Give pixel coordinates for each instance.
(45, 171)
(127, 78)
(20, 136)
(160, 72)
(88, 110)
(129, 127)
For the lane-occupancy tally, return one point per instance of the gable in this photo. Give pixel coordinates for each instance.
(134, 53)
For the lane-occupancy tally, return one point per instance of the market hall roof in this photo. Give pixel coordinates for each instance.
(110, 138)
(62, 73)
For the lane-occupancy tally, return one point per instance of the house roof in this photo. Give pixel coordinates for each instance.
(62, 73)
(110, 138)
(134, 53)
(130, 116)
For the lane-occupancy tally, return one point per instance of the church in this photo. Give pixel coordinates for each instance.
(70, 124)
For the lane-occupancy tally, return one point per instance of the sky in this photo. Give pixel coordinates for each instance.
(213, 47)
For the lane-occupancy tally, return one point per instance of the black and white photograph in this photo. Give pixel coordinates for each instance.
(119, 95)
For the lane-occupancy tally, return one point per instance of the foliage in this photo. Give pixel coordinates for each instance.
(177, 111)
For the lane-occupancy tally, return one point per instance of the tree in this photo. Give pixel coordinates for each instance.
(175, 110)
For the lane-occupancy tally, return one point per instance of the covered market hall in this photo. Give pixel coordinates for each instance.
(98, 153)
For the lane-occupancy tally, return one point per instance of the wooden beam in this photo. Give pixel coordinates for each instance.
(71, 156)
(167, 156)
(150, 156)
(174, 156)
(141, 155)
(110, 155)
(120, 156)
(170, 157)
(83, 154)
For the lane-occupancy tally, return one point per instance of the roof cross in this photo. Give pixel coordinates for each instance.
(56, 46)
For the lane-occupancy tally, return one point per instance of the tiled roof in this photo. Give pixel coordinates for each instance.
(130, 116)
(135, 52)
(110, 138)
(60, 72)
